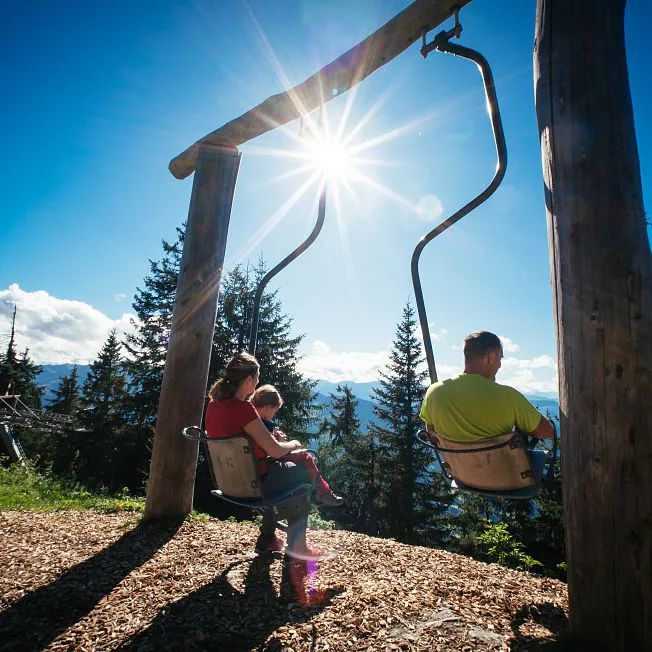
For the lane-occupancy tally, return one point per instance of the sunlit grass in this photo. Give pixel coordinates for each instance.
(23, 488)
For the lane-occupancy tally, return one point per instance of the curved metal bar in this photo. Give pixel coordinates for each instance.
(442, 44)
(255, 317)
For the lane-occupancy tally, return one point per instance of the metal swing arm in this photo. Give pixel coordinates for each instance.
(255, 317)
(442, 43)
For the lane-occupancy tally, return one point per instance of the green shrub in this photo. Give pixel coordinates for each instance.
(500, 546)
(316, 522)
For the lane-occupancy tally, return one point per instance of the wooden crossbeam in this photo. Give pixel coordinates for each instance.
(331, 81)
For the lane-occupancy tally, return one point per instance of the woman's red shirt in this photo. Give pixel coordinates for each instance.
(228, 417)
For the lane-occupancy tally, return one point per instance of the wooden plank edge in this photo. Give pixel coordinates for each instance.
(340, 75)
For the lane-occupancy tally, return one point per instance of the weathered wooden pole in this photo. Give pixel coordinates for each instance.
(602, 284)
(174, 459)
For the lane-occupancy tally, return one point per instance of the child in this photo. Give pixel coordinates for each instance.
(267, 401)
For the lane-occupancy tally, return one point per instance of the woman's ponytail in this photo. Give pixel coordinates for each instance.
(240, 366)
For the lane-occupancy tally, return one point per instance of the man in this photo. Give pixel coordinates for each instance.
(474, 406)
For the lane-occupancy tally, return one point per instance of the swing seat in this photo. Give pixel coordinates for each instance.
(524, 493)
(236, 473)
(498, 467)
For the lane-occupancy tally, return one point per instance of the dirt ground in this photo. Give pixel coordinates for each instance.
(89, 581)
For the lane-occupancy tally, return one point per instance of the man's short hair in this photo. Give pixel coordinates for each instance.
(267, 396)
(480, 343)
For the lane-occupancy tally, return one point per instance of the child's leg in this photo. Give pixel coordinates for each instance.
(305, 458)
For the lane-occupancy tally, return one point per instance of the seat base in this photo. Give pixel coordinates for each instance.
(262, 503)
(522, 493)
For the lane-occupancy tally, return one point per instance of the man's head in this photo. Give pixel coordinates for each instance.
(483, 352)
(267, 401)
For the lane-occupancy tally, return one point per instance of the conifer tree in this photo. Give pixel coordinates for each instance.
(277, 349)
(103, 447)
(66, 396)
(348, 460)
(343, 422)
(9, 362)
(26, 384)
(18, 375)
(414, 498)
(64, 438)
(146, 347)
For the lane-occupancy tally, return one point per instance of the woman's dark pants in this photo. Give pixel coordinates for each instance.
(281, 476)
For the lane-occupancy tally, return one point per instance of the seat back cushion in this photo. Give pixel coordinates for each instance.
(499, 469)
(234, 467)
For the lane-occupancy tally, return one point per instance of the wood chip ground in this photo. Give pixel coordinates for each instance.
(88, 581)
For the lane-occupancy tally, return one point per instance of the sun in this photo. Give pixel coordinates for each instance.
(331, 156)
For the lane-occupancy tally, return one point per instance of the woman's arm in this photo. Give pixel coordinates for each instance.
(257, 431)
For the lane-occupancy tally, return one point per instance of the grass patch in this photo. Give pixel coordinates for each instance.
(23, 488)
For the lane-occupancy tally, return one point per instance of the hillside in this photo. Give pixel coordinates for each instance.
(88, 581)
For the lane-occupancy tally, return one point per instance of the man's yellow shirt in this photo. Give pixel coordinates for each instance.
(471, 407)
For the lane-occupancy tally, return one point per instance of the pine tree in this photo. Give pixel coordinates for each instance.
(146, 347)
(277, 350)
(18, 375)
(348, 460)
(9, 362)
(26, 384)
(66, 396)
(103, 447)
(64, 437)
(343, 422)
(414, 498)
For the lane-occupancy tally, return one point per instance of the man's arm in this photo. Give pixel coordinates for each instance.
(432, 433)
(545, 429)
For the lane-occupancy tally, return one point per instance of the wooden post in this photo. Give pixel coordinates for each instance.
(602, 285)
(174, 459)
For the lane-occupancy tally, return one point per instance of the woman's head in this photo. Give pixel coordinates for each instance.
(241, 370)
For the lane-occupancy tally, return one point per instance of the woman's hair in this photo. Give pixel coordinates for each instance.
(267, 396)
(239, 367)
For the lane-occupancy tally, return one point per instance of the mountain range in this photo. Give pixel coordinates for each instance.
(52, 373)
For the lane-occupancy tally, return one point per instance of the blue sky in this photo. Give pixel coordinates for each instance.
(99, 96)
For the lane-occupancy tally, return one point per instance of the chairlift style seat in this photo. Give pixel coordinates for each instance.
(494, 467)
(235, 472)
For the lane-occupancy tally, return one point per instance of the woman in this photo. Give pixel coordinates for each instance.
(230, 413)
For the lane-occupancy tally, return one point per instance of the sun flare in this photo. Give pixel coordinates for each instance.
(332, 157)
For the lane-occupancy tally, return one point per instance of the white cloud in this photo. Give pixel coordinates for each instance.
(120, 296)
(448, 370)
(540, 362)
(530, 376)
(436, 334)
(509, 346)
(56, 330)
(359, 367)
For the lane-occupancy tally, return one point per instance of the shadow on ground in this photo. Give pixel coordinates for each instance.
(42, 615)
(548, 616)
(219, 617)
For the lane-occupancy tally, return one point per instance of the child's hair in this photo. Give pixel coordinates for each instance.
(239, 367)
(267, 396)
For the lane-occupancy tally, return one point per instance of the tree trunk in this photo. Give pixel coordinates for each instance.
(174, 459)
(602, 286)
